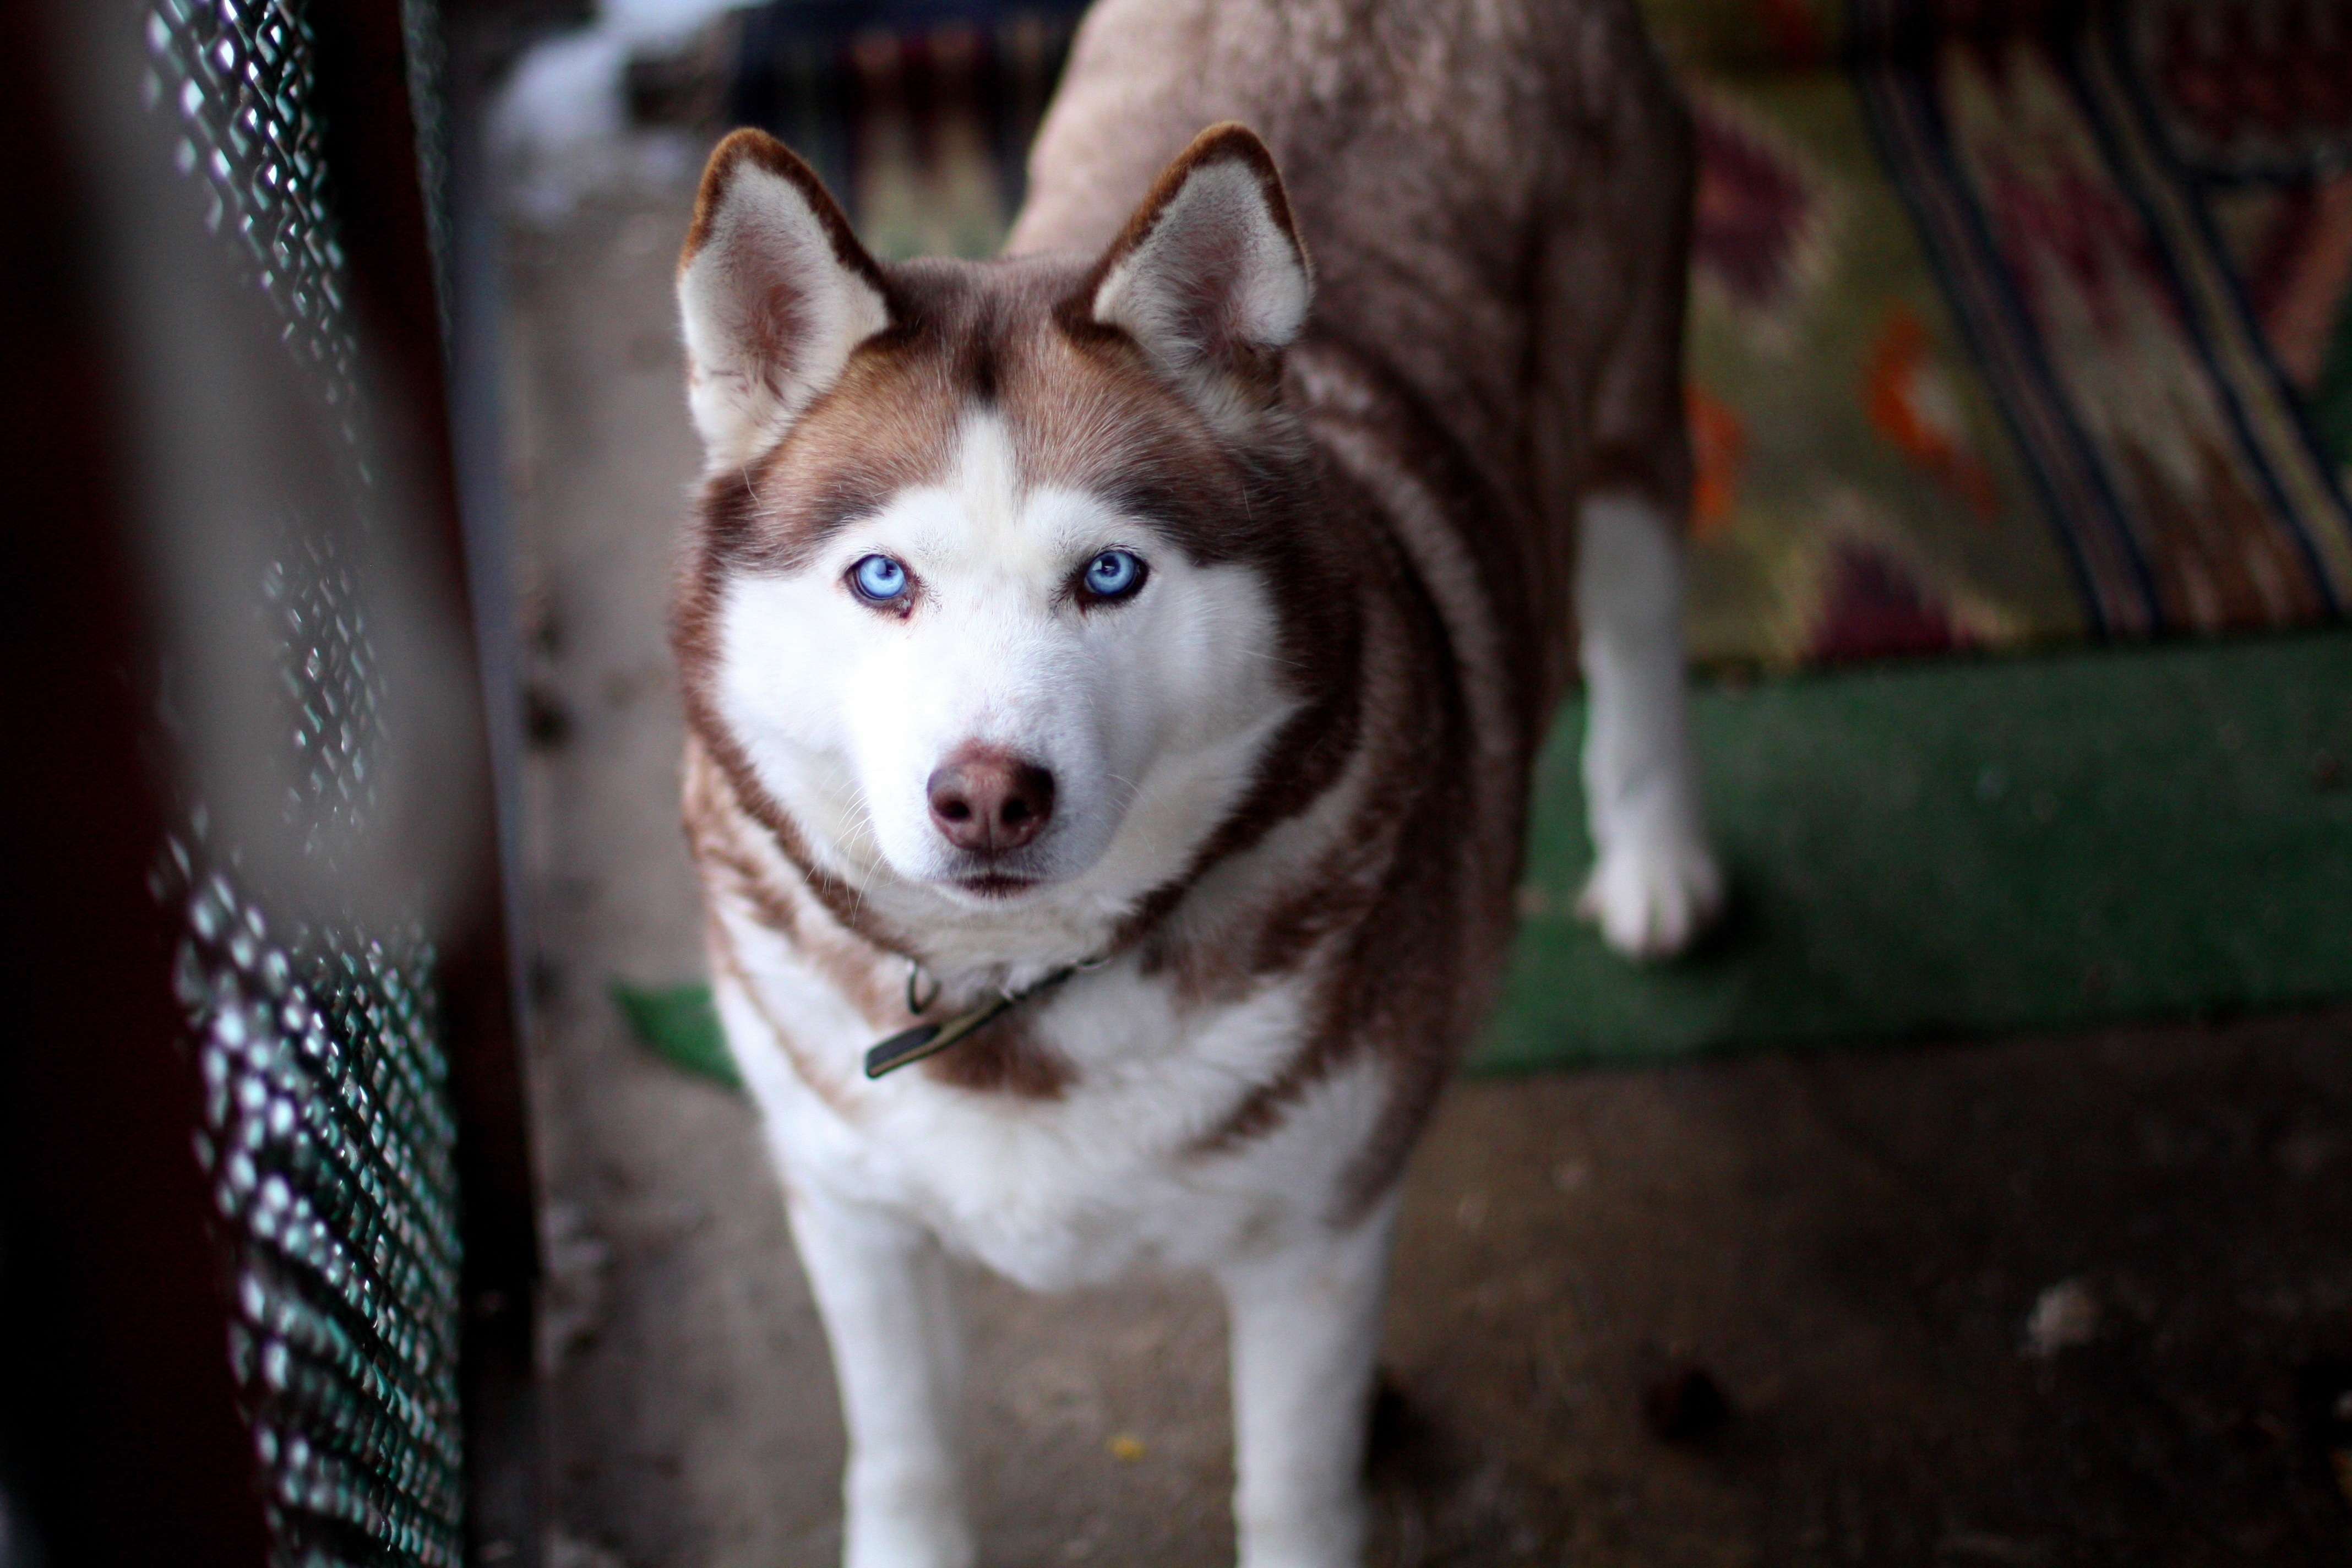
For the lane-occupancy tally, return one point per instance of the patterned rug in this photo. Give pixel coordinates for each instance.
(2061, 292)
(2013, 322)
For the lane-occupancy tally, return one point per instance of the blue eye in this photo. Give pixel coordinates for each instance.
(1114, 574)
(878, 579)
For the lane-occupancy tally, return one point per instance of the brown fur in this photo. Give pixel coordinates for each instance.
(738, 862)
(729, 963)
(1498, 199)
(1004, 1058)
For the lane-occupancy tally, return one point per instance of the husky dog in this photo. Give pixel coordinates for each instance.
(1129, 655)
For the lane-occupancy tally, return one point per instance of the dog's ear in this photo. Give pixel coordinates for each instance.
(1209, 278)
(774, 293)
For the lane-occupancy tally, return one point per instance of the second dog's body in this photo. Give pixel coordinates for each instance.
(1104, 626)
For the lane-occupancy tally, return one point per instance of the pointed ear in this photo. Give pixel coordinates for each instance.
(1209, 278)
(775, 291)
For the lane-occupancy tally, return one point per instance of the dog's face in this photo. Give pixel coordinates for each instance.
(983, 601)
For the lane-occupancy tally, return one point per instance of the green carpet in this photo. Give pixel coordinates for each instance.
(1946, 848)
(681, 1026)
(1970, 847)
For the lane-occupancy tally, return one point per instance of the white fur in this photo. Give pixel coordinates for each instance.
(1655, 883)
(882, 1288)
(1148, 713)
(765, 239)
(1306, 1325)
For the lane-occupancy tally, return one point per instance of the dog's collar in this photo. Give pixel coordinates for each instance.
(929, 1040)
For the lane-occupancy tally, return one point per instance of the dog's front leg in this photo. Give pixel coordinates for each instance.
(881, 1285)
(1655, 884)
(1305, 1327)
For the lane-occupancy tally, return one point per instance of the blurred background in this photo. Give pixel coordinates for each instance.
(376, 1192)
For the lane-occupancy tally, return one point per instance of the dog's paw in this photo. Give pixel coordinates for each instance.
(1652, 893)
(905, 1541)
(1329, 1537)
(914, 1524)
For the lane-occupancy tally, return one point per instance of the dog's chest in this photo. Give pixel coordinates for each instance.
(1129, 1165)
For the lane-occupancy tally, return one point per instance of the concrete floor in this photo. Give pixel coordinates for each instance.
(2041, 1301)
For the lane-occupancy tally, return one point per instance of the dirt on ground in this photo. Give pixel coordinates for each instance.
(2051, 1301)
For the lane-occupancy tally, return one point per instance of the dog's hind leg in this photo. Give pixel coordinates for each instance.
(1655, 885)
(1616, 472)
(881, 1285)
(1306, 1328)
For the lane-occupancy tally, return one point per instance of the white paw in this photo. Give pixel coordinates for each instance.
(1654, 892)
(909, 1524)
(1329, 1537)
(900, 1540)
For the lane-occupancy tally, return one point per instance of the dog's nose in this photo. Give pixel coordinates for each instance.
(988, 801)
